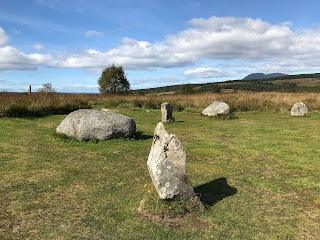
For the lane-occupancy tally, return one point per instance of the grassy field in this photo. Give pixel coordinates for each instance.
(259, 176)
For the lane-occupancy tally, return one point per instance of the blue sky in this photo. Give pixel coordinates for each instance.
(159, 43)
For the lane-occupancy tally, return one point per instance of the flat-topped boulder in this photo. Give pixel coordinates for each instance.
(167, 166)
(216, 108)
(299, 109)
(87, 124)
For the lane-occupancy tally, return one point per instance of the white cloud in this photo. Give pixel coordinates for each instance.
(93, 33)
(4, 39)
(207, 72)
(12, 59)
(38, 47)
(232, 38)
(132, 54)
(216, 38)
(86, 86)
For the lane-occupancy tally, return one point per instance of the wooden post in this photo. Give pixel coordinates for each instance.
(29, 91)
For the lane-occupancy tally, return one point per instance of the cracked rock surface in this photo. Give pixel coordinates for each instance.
(299, 109)
(167, 166)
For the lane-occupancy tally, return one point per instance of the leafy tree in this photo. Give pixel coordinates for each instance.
(46, 88)
(113, 80)
(186, 89)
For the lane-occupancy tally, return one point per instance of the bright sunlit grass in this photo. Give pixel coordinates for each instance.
(258, 176)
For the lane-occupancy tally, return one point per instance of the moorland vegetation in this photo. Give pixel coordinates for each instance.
(24, 105)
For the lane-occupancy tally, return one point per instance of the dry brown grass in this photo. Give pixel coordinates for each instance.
(22, 105)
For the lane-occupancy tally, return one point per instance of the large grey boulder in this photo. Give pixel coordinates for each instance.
(167, 166)
(216, 108)
(166, 113)
(86, 124)
(299, 109)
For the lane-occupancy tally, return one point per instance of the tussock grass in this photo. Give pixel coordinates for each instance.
(36, 105)
(154, 208)
(23, 105)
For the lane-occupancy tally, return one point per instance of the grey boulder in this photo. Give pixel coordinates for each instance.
(167, 166)
(166, 113)
(216, 108)
(299, 109)
(86, 124)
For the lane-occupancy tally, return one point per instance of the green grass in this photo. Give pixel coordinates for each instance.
(56, 189)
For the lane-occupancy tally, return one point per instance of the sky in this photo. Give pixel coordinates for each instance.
(159, 43)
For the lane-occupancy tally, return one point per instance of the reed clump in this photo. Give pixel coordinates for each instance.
(24, 105)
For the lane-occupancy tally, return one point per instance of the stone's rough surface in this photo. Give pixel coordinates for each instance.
(216, 108)
(167, 166)
(86, 124)
(166, 113)
(299, 109)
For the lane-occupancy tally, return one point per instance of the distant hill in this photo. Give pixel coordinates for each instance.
(262, 76)
(289, 83)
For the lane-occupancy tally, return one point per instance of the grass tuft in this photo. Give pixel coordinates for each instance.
(63, 137)
(230, 116)
(153, 207)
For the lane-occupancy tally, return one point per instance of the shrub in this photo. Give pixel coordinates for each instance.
(46, 88)
(186, 89)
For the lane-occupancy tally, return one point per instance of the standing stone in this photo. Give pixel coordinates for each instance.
(167, 166)
(216, 108)
(29, 90)
(299, 109)
(87, 124)
(166, 113)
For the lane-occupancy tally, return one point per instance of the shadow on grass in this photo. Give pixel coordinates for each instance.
(139, 135)
(212, 192)
(136, 136)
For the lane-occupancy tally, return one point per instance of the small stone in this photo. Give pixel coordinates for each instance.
(299, 109)
(167, 166)
(216, 108)
(166, 113)
(147, 111)
(141, 206)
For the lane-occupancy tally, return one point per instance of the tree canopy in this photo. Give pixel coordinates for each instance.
(46, 88)
(113, 80)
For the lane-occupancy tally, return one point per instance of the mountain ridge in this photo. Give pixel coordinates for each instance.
(262, 76)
